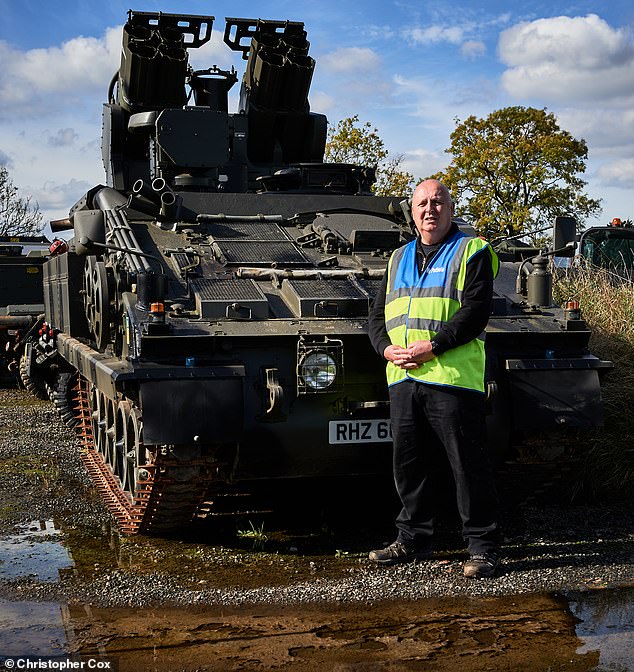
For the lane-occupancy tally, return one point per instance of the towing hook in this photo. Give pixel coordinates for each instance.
(492, 390)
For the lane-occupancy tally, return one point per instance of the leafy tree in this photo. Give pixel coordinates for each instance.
(350, 141)
(17, 215)
(515, 170)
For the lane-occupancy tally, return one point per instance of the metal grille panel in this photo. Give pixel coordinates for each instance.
(261, 252)
(370, 285)
(230, 298)
(226, 289)
(183, 261)
(338, 288)
(336, 297)
(248, 231)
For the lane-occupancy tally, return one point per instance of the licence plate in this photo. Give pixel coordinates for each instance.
(359, 431)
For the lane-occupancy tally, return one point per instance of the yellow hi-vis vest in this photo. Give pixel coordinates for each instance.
(418, 304)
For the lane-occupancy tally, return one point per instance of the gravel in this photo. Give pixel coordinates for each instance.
(549, 546)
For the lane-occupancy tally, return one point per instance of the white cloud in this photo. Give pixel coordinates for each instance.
(468, 30)
(378, 32)
(350, 60)
(568, 58)
(443, 100)
(59, 197)
(63, 137)
(473, 49)
(321, 102)
(355, 80)
(424, 162)
(608, 129)
(435, 34)
(619, 173)
(34, 82)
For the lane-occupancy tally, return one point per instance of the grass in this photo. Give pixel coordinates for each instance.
(607, 303)
(9, 511)
(256, 534)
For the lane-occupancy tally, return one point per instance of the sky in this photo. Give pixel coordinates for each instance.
(410, 68)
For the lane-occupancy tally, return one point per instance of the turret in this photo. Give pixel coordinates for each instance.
(167, 124)
(274, 92)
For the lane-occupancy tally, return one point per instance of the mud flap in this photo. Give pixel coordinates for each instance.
(547, 398)
(192, 410)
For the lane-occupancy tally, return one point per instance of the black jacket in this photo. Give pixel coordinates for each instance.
(467, 323)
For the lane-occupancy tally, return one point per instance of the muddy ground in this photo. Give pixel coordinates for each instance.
(294, 589)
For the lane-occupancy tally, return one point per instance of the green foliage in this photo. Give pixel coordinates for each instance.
(256, 534)
(515, 170)
(606, 301)
(351, 141)
(17, 215)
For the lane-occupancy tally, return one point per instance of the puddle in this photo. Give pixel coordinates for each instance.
(607, 626)
(32, 629)
(34, 552)
(583, 633)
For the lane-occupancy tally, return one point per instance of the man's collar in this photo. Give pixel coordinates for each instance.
(452, 230)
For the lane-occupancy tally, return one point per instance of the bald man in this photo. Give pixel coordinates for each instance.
(428, 322)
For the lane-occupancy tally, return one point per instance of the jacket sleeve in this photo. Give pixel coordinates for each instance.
(376, 320)
(472, 317)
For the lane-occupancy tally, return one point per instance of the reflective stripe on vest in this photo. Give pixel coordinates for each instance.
(418, 304)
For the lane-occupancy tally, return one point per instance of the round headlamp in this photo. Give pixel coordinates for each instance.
(318, 370)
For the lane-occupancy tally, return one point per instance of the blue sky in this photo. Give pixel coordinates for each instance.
(409, 68)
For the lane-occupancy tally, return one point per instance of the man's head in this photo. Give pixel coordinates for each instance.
(432, 210)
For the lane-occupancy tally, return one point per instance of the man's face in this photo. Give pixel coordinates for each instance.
(432, 210)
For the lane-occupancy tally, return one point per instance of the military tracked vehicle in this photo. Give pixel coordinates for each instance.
(208, 325)
(21, 306)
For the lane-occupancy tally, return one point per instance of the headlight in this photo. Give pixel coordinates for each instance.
(317, 370)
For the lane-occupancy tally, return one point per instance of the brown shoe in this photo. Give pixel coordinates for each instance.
(396, 553)
(481, 565)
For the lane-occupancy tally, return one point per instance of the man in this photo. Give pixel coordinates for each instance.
(428, 321)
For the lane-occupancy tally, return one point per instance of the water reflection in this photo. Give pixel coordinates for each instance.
(534, 632)
(532, 629)
(606, 625)
(32, 629)
(36, 552)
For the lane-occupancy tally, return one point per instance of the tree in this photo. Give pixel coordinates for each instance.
(515, 170)
(352, 142)
(17, 215)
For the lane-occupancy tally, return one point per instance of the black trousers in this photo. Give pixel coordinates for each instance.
(424, 419)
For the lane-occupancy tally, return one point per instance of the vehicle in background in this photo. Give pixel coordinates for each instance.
(610, 247)
(21, 304)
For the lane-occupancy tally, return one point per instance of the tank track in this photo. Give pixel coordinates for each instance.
(33, 383)
(169, 494)
(61, 394)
